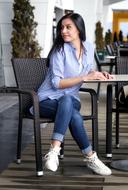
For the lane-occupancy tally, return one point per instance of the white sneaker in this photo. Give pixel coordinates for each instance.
(96, 165)
(52, 161)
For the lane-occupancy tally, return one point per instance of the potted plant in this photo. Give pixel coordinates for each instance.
(108, 37)
(121, 37)
(99, 40)
(23, 41)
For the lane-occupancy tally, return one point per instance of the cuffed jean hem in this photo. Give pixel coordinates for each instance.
(87, 150)
(58, 136)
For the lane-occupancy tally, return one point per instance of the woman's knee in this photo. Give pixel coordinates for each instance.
(66, 100)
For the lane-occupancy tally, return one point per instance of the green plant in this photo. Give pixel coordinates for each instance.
(121, 36)
(108, 37)
(99, 40)
(127, 37)
(115, 39)
(23, 41)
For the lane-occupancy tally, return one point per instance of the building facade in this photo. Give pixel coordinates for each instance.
(47, 13)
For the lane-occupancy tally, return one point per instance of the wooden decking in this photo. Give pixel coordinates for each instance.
(72, 172)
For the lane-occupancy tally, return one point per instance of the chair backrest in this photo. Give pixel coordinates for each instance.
(109, 49)
(29, 74)
(123, 52)
(122, 65)
(97, 60)
(122, 68)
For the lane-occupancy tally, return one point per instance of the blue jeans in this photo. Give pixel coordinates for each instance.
(66, 113)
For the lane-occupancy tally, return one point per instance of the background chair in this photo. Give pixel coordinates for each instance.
(123, 51)
(111, 51)
(115, 106)
(29, 74)
(102, 65)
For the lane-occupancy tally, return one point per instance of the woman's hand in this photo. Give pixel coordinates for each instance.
(107, 75)
(96, 75)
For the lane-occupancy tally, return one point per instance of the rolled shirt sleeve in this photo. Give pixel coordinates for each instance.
(57, 64)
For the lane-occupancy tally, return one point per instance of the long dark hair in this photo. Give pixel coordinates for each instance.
(59, 42)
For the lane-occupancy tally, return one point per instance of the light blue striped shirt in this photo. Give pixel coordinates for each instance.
(64, 64)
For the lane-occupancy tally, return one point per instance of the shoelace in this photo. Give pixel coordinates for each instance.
(90, 159)
(49, 154)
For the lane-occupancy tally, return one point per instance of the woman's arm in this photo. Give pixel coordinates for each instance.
(93, 75)
(69, 82)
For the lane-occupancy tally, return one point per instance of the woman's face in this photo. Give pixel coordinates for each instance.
(69, 31)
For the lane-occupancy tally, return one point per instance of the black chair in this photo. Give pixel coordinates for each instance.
(29, 74)
(102, 65)
(111, 51)
(123, 51)
(115, 106)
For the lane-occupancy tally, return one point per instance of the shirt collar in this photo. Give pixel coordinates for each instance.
(84, 47)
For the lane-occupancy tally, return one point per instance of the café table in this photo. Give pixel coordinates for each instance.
(111, 57)
(118, 164)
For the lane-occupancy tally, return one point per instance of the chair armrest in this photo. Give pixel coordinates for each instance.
(31, 93)
(94, 98)
(91, 91)
(3, 89)
(9, 89)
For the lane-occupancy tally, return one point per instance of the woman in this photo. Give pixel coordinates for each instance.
(70, 64)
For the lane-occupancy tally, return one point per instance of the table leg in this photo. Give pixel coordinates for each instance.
(109, 122)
